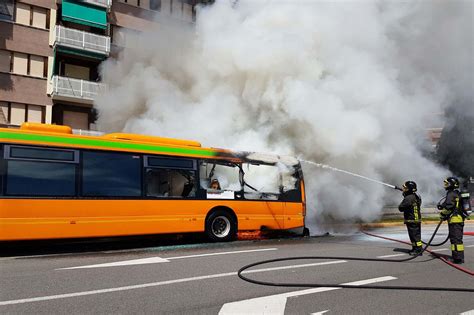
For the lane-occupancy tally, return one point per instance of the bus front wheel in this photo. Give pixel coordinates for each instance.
(221, 226)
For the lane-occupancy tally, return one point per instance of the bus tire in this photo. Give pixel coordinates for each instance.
(221, 226)
(306, 232)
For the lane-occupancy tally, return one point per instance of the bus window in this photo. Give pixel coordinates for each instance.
(40, 172)
(169, 163)
(110, 174)
(2, 170)
(269, 182)
(161, 182)
(226, 174)
(27, 153)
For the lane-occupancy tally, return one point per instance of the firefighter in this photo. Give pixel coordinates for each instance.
(410, 206)
(451, 210)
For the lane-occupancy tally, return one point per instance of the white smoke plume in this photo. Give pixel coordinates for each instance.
(347, 83)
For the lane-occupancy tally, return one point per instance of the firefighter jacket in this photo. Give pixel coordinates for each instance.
(411, 206)
(451, 207)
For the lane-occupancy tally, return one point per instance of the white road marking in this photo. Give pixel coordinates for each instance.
(275, 304)
(143, 261)
(160, 283)
(224, 253)
(471, 312)
(394, 255)
(469, 246)
(155, 260)
(320, 313)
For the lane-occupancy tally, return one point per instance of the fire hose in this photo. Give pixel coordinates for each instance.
(347, 286)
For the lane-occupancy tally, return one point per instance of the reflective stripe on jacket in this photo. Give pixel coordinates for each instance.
(411, 208)
(452, 207)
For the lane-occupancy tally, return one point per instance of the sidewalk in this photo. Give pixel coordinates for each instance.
(400, 223)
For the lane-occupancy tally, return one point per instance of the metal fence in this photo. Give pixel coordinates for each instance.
(102, 3)
(83, 40)
(69, 87)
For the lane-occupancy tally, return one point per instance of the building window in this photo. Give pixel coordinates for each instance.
(76, 120)
(16, 114)
(155, 5)
(32, 16)
(25, 64)
(5, 60)
(108, 174)
(3, 113)
(39, 17)
(22, 15)
(20, 63)
(6, 10)
(36, 66)
(35, 113)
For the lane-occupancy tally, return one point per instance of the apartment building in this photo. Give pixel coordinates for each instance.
(50, 52)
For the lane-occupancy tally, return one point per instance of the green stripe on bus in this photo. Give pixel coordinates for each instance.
(105, 144)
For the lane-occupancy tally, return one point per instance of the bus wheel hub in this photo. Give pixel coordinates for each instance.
(221, 226)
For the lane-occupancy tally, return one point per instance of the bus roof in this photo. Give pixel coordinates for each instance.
(62, 136)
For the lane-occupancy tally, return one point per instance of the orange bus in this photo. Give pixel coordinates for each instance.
(56, 184)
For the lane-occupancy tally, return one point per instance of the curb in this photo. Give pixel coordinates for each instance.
(386, 224)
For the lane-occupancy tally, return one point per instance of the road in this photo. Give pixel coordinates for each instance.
(201, 278)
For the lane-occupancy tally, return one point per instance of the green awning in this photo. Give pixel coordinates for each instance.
(82, 13)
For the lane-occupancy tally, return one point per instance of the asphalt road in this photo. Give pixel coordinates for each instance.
(201, 278)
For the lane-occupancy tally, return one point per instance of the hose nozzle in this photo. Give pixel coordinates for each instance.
(397, 188)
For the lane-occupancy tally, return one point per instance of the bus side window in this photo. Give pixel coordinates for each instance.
(45, 172)
(157, 183)
(111, 174)
(170, 183)
(170, 177)
(2, 170)
(225, 176)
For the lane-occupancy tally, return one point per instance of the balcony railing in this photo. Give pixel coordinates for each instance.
(72, 38)
(76, 89)
(101, 3)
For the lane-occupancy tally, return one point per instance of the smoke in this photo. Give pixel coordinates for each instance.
(348, 83)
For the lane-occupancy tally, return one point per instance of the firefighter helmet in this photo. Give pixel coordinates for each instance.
(409, 186)
(451, 183)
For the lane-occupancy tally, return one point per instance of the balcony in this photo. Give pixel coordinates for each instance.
(100, 3)
(75, 90)
(80, 40)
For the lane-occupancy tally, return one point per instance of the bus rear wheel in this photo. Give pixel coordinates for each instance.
(221, 226)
